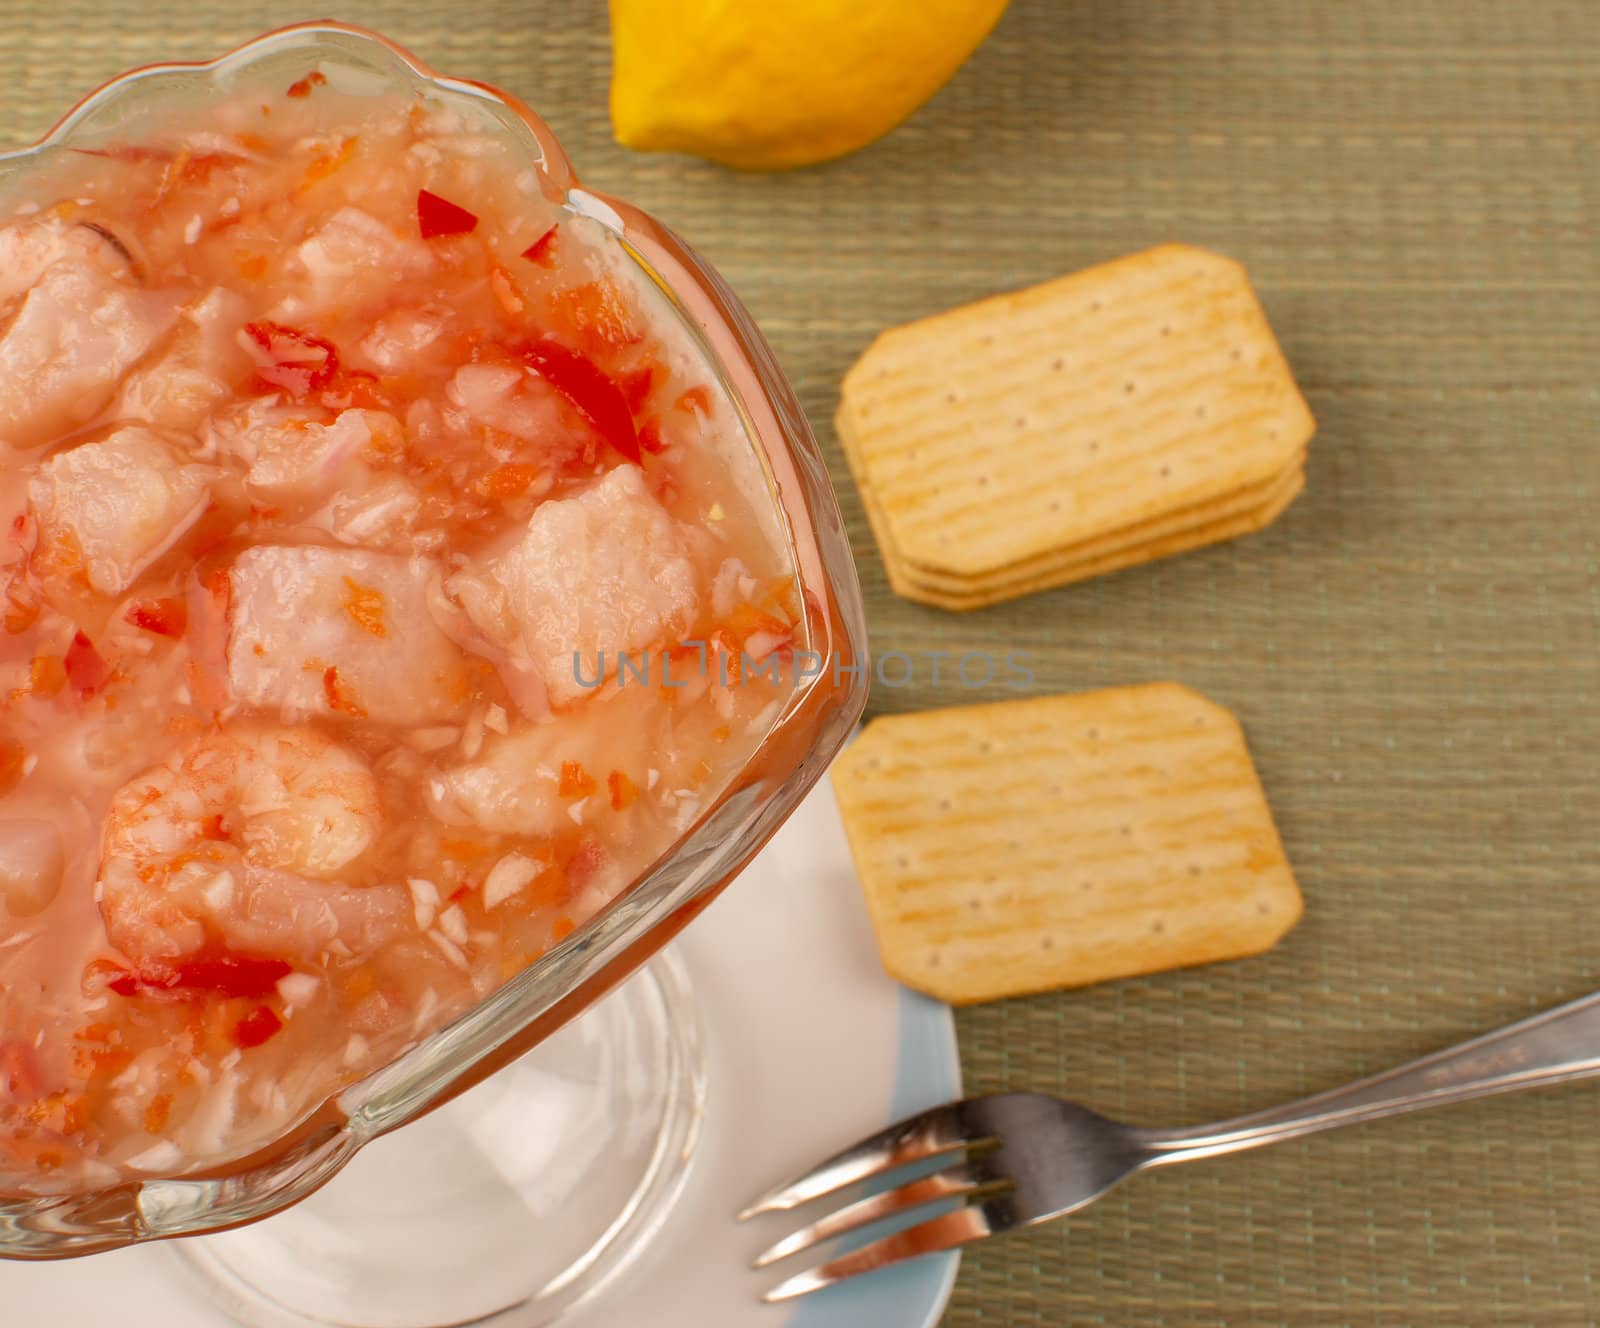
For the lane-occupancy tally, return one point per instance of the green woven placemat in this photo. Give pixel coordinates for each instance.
(1416, 189)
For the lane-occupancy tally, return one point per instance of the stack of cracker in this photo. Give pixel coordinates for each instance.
(1062, 840)
(1134, 410)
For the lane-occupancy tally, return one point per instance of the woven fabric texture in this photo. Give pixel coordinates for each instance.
(1413, 648)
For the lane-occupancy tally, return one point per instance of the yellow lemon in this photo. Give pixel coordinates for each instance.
(771, 84)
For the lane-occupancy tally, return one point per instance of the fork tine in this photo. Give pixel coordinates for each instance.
(927, 1134)
(945, 1232)
(959, 1181)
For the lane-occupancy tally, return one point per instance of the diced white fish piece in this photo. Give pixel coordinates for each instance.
(513, 787)
(398, 338)
(123, 502)
(509, 398)
(503, 791)
(31, 864)
(186, 380)
(30, 249)
(371, 510)
(594, 575)
(74, 336)
(345, 254)
(339, 632)
(218, 892)
(288, 456)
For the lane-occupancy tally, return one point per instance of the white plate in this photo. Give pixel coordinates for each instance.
(810, 1046)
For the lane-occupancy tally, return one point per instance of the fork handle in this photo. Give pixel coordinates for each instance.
(1555, 1047)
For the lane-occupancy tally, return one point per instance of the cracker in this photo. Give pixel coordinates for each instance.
(1048, 417)
(906, 582)
(981, 595)
(1059, 841)
(1059, 566)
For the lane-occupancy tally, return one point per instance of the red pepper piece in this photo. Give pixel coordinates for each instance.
(230, 975)
(635, 387)
(697, 400)
(650, 439)
(164, 617)
(256, 1027)
(339, 698)
(576, 782)
(439, 216)
(86, 671)
(542, 252)
(624, 793)
(302, 88)
(291, 359)
(591, 392)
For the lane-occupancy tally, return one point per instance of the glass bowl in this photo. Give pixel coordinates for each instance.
(817, 716)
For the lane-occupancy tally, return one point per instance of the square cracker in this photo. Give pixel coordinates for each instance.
(1053, 842)
(1048, 417)
(911, 586)
(1243, 512)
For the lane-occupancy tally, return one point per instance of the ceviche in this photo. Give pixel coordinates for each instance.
(388, 582)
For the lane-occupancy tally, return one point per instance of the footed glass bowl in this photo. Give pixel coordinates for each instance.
(817, 715)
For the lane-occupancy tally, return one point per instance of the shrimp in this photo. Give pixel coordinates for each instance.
(250, 839)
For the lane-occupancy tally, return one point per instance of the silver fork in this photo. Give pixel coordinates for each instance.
(1030, 1158)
